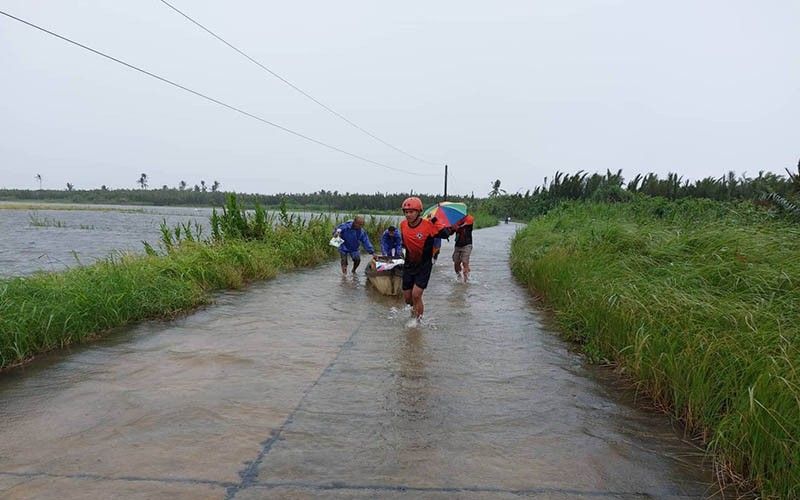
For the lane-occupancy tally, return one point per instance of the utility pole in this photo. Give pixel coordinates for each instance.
(445, 183)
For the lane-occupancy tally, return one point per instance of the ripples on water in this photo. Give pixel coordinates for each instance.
(85, 236)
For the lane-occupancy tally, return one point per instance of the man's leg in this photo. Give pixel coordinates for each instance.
(457, 262)
(343, 258)
(408, 285)
(420, 284)
(416, 297)
(466, 252)
(356, 261)
(407, 296)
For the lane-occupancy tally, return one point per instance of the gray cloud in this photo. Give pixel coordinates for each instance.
(509, 90)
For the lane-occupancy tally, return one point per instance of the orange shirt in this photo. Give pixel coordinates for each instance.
(418, 241)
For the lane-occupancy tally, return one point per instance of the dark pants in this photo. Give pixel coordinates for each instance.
(353, 255)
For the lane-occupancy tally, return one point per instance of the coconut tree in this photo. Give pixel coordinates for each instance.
(39, 178)
(70, 186)
(142, 181)
(496, 189)
(203, 186)
(795, 178)
(215, 187)
(182, 185)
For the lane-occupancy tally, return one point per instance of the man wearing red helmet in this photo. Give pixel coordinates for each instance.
(418, 235)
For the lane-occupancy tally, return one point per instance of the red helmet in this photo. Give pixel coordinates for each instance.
(412, 203)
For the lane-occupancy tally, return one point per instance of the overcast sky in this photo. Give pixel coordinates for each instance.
(509, 90)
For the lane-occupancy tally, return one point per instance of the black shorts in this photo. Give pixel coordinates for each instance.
(418, 275)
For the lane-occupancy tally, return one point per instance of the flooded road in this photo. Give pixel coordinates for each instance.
(312, 386)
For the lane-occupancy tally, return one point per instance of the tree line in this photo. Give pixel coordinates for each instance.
(166, 196)
(782, 191)
(766, 187)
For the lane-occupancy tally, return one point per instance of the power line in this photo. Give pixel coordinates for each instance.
(295, 87)
(215, 101)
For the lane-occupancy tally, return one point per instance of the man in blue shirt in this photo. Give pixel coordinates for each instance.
(353, 235)
(391, 243)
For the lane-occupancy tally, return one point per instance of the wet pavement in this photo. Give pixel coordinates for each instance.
(314, 386)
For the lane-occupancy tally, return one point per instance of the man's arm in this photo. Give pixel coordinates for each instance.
(338, 229)
(365, 241)
(444, 233)
(385, 247)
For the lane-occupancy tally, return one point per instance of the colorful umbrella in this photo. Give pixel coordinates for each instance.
(447, 213)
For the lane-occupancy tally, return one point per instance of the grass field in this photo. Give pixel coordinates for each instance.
(697, 301)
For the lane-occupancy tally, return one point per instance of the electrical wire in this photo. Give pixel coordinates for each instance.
(211, 99)
(295, 87)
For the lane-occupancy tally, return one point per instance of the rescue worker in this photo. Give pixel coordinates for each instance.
(392, 243)
(353, 235)
(417, 235)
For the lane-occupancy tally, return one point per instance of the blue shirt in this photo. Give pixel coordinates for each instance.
(391, 243)
(352, 238)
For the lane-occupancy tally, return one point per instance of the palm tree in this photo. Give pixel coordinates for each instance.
(203, 185)
(215, 187)
(795, 178)
(182, 185)
(496, 189)
(39, 178)
(70, 186)
(142, 181)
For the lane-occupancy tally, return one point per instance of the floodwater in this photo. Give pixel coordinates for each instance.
(313, 386)
(56, 238)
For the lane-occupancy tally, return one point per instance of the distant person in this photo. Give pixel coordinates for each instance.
(353, 235)
(508, 219)
(463, 246)
(418, 235)
(392, 243)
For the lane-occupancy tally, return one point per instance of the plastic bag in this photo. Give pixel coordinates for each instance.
(385, 266)
(336, 241)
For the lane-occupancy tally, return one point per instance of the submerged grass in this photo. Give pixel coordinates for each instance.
(699, 302)
(37, 220)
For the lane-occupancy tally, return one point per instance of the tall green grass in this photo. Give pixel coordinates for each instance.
(47, 311)
(699, 302)
(484, 219)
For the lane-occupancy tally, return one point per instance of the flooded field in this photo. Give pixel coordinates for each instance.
(53, 239)
(44, 238)
(314, 386)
